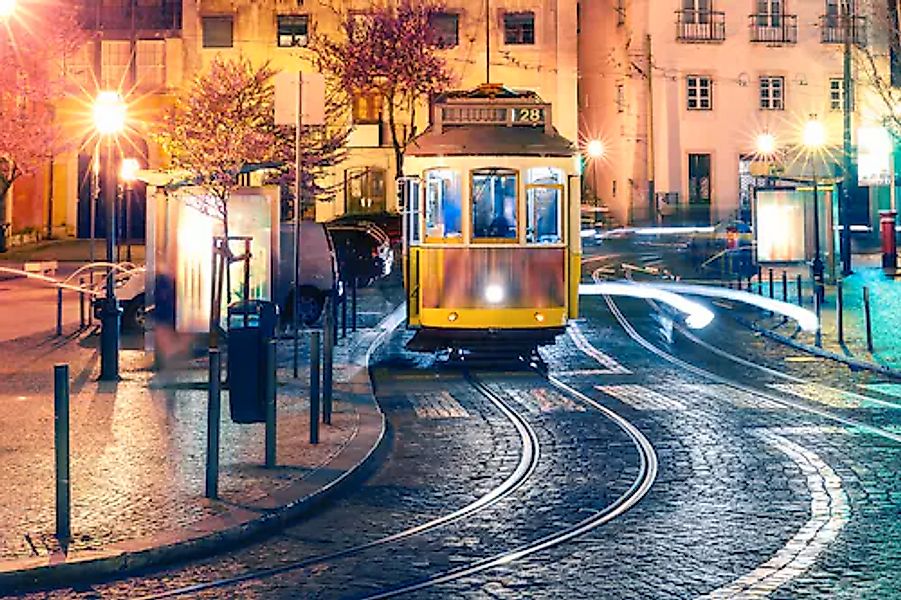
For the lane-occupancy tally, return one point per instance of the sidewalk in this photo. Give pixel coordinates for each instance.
(885, 307)
(138, 451)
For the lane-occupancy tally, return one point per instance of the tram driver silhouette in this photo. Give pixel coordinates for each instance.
(499, 227)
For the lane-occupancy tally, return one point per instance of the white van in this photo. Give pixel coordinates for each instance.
(318, 274)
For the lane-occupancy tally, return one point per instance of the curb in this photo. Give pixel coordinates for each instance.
(848, 360)
(240, 525)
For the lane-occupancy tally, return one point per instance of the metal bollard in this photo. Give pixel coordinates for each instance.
(271, 392)
(59, 311)
(784, 286)
(214, 407)
(314, 387)
(866, 314)
(759, 280)
(839, 311)
(772, 291)
(353, 299)
(81, 318)
(61, 447)
(328, 359)
(749, 284)
(344, 312)
(800, 290)
(91, 298)
(334, 305)
(819, 333)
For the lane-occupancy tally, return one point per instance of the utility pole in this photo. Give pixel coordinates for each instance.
(848, 180)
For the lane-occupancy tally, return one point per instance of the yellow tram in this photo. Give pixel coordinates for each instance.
(491, 224)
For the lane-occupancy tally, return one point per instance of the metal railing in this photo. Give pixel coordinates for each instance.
(833, 28)
(700, 26)
(771, 28)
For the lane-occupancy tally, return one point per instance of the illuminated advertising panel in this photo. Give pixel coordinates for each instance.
(779, 226)
(874, 156)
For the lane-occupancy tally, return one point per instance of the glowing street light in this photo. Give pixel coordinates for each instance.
(814, 136)
(128, 174)
(766, 144)
(595, 149)
(7, 8)
(109, 112)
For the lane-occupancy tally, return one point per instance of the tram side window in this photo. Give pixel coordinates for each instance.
(443, 204)
(544, 190)
(494, 204)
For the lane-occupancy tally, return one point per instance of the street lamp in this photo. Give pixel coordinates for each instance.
(110, 113)
(766, 144)
(596, 150)
(814, 138)
(128, 174)
(7, 8)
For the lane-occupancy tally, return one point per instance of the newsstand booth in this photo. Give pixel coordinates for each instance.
(182, 224)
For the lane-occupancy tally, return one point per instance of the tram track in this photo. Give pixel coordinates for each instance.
(641, 485)
(525, 469)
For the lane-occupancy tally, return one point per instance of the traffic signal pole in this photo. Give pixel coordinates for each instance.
(847, 107)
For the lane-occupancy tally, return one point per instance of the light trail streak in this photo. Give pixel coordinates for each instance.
(698, 315)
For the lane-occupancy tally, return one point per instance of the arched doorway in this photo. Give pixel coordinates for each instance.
(131, 201)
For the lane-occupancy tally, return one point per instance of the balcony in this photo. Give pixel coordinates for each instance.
(700, 26)
(125, 15)
(768, 28)
(834, 28)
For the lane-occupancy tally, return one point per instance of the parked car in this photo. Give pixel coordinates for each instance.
(729, 245)
(318, 272)
(363, 251)
(390, 223)
(131, 297)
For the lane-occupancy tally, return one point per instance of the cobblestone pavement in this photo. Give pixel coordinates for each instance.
(766, 487)
(138, 446)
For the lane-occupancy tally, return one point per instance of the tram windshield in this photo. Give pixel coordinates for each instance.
(494, 204)
(544, 189)
(444, 204)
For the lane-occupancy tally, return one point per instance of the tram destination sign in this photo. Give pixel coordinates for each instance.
(524, 115)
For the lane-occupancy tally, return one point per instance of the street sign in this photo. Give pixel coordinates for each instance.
(312, 100)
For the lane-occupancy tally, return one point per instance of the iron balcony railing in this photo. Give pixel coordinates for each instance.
(700, 26)
(769, 28)
(833, 29)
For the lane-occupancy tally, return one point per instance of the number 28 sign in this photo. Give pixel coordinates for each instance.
(528, 116)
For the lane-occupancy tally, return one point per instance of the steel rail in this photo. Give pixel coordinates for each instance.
(710, 375)
(647, 474)
(524, 470)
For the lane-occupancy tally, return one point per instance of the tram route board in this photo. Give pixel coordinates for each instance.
(523, 115)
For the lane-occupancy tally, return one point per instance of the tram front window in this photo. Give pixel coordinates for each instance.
(494, 204)
(444, 204)
(543, 192)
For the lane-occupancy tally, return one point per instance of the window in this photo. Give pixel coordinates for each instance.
(519, 28)
(115, 57)
(544, 189)
(772, 93)
(293, 30)
(367, 108)
(443, 204)
(446, 27)
(699, 179)
(365, 190)
(79, 67)
(700, 92)
(494, 204)
(151, 63)
(837, 94)
(218, 32)
(769, 13)
(697, 11)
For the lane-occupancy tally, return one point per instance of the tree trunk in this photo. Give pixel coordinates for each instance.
(5, 184)
(398, 147)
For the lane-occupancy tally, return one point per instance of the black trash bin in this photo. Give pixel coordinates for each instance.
(251, 325)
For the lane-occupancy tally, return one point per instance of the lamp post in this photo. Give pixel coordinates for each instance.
(109, 121)
(814, 138)
(128, 173)
(596, 151)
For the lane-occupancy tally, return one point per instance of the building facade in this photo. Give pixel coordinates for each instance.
(683, 91)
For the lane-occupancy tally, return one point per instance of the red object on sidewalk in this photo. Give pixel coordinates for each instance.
(889, 240)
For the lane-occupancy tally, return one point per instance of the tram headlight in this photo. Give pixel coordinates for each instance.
(494, 293)
(453, 316)
(539, 317)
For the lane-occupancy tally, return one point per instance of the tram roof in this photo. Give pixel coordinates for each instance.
(490, 141)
